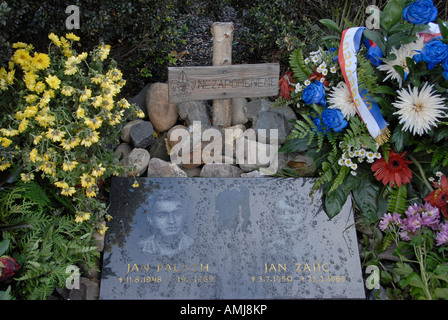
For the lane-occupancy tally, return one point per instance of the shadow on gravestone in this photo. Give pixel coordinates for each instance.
(225, 238)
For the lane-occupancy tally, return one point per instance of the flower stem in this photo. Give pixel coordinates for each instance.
(422, 173)
(420, 257)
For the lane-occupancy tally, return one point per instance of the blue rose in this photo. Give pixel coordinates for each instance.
(434, 52)
(445, 75)
(420, 12)
(314, 93)
(445, 64)
(374, 54)
(334, 119)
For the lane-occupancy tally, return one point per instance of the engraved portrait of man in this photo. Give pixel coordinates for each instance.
(166, 219)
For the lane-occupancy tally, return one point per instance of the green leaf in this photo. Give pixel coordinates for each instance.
(443, 29)
(397, 200)
(4, 244)
(403, 269)
(334, 201)
(400, 138)
(298, 65)
(441, 293)
(377, 38)
(391, 14)
(296, 145)
(331, 25)
(366, 197)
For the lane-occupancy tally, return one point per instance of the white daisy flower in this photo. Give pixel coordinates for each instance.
(419, 111)
(333, 69)
(340, 98)
(298, 87)
(307, 60)
(354, 173)
(307, 82)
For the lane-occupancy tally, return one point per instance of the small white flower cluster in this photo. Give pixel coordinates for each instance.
(439, 175)
(316, 59)
(351, 156)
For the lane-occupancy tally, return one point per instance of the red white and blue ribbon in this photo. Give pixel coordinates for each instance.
(366, 107)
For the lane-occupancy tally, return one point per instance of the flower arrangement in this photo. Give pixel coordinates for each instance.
(60, 117)
(372, 108)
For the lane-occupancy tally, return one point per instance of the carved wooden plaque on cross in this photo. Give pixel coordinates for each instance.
(222, 81)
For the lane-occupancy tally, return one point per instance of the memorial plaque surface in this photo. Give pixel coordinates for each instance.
(225, 238)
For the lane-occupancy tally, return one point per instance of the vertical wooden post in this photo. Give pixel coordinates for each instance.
(222, 33)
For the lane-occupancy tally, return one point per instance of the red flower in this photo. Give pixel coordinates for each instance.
(8, 266)
(439, 197)
(286, 84)
(395, 171)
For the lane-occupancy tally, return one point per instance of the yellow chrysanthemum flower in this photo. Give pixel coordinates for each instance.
(9, 132)
(87, 180)
(30, 111)
(102, 229)
(34, 156)
(55, 135)
(23, 125)
(41, 61)
(48, 168)
(67, 91)
(80, 113)
(5, 142)
(70, 143)
(85, 95)
(82, 216)
(72, 36)
(26, 177)
(31, 98)
(91, 191)
(98, 171)
(4, 165)
(69, 191)
(55, 39)
(69, 165)
(114, 74)
(94, 123)
(61, 184)
(22, 57)
(53, 81)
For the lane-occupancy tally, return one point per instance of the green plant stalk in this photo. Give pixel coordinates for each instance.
(420, 257)
(422, 173)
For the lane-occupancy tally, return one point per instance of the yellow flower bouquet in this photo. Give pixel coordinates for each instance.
(61, 116)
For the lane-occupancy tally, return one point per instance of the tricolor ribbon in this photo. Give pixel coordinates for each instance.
(366, 107)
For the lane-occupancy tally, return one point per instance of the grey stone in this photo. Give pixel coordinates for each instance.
(245, 238)
(88, 290)
(123, 150)
(159, 148)
(238, 115)
(253, 174)
(194, 111)
(286, 112)
(159, 168)
(256, 155)
(137, 161)
(142, 134)
(162, 114)
(268, 121)
(140, 99)
(125, 132)
(221, 170)
(254, 107)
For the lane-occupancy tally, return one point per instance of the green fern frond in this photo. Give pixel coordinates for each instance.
(298, 65)
(398, 200)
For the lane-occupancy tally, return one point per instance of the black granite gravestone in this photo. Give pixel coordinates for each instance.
(225, 238)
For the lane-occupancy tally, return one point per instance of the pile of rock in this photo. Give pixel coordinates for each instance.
(148, 145)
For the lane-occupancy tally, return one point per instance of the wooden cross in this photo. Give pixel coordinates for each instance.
(223, 81)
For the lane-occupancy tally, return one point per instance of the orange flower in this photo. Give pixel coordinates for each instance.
(395, 171)
(439, 197)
